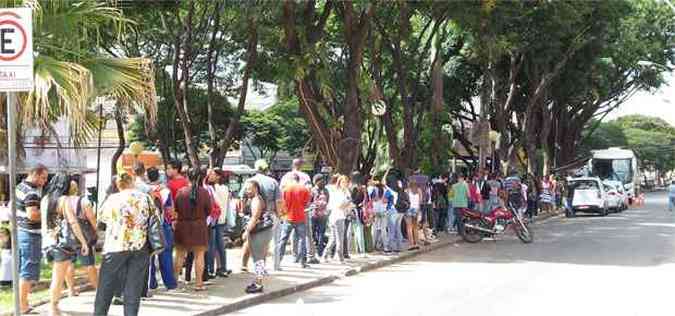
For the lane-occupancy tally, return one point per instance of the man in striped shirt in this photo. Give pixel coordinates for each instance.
(29, 238)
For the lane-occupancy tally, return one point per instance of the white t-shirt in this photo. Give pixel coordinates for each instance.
(414, 200)
(336, 199)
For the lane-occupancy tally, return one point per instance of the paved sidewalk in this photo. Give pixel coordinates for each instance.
(227, 295)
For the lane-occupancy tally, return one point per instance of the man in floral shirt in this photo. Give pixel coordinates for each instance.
(126, 216)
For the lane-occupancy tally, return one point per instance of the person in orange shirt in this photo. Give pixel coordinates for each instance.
(296, 198)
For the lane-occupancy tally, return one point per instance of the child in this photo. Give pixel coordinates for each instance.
(5, 257)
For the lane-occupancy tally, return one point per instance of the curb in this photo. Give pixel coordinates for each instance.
(259, 299)
(82, 286)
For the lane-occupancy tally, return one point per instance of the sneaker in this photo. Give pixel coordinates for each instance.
(117, 301)
(305, 266)
(254, 289)
(314, 261)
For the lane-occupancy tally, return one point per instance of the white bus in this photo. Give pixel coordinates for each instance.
(617, 164)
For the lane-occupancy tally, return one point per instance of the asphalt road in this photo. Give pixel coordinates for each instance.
(623, 264)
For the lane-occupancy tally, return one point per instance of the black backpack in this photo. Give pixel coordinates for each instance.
(85, 226)
(402, 202)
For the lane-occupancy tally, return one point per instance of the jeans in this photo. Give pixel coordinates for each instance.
(311, 245)
(133, 264)
(30, 255)
(337, 231)
(359, 241)
(395, 233)
(347, 238)
(451, 224)
(276, 234)
(379, 228)
(301, 231)
(165, 262)
(671, 205)
(441, 220)
(318, 232)
(216, 248)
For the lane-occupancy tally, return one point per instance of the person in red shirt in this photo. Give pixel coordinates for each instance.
(176, 179)
(296, 197)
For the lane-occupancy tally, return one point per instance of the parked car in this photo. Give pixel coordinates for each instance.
(590, 196)
(617, 196)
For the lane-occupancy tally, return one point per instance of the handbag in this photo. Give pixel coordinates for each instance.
(156, 238)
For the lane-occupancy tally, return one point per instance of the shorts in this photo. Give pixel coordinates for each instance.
(412, 212)
(30, 255)
(57, 254)
(88, 260)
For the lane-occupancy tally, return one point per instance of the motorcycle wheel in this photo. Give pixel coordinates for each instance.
(470, 235)
(523, 231)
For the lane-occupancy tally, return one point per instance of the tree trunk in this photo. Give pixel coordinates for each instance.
(215, 159)
(437, 141)
(183, 51)
(119, 122)
(251, 56)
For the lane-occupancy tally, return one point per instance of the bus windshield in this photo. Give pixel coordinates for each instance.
(613, 169)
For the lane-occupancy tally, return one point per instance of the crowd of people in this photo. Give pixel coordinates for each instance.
(326, 218)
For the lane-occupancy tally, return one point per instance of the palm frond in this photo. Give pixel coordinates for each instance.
(130, 81)
(60, 89)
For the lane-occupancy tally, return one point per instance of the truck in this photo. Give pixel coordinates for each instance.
(617, 164)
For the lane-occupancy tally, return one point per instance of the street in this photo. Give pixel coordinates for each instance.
(623, 264)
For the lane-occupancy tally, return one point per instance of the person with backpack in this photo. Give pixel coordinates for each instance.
(514, 188)
(439, 197)
(70, 240)
(161, 196)
(484, 189)
(379, 225)
(87, 218)
(398, 203)
(339, 205)
(319, 215)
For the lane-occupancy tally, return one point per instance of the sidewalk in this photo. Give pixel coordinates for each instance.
(227, 295)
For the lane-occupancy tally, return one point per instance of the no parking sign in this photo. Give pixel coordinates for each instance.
(16, 50)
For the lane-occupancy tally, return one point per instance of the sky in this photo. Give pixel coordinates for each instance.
(660, 103)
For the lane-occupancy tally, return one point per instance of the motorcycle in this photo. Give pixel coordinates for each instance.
(474, 225)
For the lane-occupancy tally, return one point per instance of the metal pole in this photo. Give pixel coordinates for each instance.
(11, 159)
(98, 154)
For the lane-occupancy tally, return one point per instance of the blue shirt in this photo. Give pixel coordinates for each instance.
(390, 196)
(671, 189)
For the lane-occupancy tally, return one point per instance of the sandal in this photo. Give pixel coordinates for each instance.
(200, 289)
(29, 311)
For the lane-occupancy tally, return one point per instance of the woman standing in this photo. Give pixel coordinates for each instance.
(415, 195)
(338, 205)
(193, 206)
(546, 197)
(257, 235)
(221, 196)
(69, 241)
(125, 252)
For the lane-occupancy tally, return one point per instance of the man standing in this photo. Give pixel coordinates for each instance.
(319, 217)
(460, 197)
(29, 238)
(176, 179)
(296, 197)
(514, 189)
(273, 203)
(288, 177)
(161, 195)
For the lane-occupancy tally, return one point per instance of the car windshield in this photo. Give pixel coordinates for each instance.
(584, 185)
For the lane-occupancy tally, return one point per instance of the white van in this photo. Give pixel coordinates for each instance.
(589, 196)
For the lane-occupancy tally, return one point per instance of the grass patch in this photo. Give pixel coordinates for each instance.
(7, 295)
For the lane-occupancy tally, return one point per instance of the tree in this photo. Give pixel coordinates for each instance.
(73, 66)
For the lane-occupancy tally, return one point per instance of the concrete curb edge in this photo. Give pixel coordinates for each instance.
(252, 300)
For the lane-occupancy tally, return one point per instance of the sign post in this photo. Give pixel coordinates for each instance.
(16, 75)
